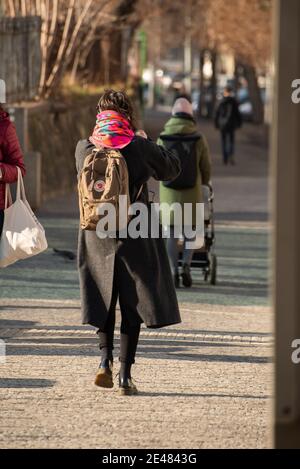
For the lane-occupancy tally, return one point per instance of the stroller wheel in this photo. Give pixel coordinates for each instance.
(213, 269)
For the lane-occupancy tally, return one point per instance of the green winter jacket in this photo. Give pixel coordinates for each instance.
(186, 125)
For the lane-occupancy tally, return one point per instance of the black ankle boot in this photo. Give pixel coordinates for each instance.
(126, 386)
(106, 363)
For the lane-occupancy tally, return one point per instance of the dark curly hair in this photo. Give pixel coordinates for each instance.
(118, 101)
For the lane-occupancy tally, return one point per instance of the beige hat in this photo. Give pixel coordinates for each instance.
(182, 105)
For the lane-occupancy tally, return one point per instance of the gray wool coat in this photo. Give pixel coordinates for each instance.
(139, 267)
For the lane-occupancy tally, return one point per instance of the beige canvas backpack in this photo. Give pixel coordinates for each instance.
(103, 178)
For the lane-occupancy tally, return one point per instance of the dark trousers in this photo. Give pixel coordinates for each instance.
(1, 221)
(228, 144)
(129, 336)
(130, 322)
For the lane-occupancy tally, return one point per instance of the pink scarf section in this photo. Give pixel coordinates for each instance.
(111, 131)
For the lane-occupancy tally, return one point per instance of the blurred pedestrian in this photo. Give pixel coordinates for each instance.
(11, 157)
(136, 95)
(228, 119)
(135, 271)
(180, 135)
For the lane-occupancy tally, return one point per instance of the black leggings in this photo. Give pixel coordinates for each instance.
(130, 322)
(129, 336)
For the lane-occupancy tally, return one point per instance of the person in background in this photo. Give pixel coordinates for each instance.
(136, 94)
(228, 119)
(11, 157)
(182, 129)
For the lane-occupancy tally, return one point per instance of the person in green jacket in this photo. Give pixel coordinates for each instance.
(182, 123)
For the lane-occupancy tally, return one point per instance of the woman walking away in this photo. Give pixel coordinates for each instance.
(135, 271)
(11, 158)
(180, 136)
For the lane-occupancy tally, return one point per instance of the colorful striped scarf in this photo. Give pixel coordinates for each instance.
(111, 130)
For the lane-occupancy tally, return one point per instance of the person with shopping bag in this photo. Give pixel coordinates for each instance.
(11, 158)
(21, 234)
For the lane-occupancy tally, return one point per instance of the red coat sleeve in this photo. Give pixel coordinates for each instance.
(13, 156)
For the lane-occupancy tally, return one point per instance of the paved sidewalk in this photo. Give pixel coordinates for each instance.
(205, 383)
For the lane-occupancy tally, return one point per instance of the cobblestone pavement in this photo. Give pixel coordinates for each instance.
(205, 383)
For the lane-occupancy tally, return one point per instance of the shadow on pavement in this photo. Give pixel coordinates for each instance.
(242, 216)
(26, 383)
(169, 352)
(16, 323)
(158, 342)
(193, 395)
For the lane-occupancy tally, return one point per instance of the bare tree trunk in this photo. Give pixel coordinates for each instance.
(187, 49)
(62, 47)
(23, 8)
(11, 8)
(237, 67)
(85, 44)
(105, 43)
(75, 68)
(202, 87)
(38, 7)
(125, 45)
(44, 41)
(213, 83)
(70, 48)
(254, 94)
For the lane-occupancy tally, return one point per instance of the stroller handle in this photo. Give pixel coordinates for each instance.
(210, 190)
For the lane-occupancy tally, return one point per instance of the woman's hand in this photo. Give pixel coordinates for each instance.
(141, 133)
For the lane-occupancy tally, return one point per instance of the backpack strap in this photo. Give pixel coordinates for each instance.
(139, 192)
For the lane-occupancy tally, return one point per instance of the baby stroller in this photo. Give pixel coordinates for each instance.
(205, 257)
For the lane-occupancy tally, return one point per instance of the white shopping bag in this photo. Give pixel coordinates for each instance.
(22, 236)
